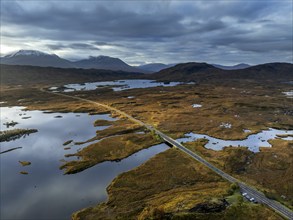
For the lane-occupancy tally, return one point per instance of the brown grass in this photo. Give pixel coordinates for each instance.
(8, 135)
(25, 163)
(167, 187)
(244, 104)
(270, 170)
(108, 149)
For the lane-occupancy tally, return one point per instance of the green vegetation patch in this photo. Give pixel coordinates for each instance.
(25, 163)
(11, 149)
(101, 122)
(120, 127)
(9, 135)
(108, 149)
(240, 211)
(10, 124)
(67, 142)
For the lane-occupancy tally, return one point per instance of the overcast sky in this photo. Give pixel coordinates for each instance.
(223, 32)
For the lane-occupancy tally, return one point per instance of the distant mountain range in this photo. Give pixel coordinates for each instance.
(42, 59)
(38, 58)
(185, 72)
(188, 72)
(155, 67)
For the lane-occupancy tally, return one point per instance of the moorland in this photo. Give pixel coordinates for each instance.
(171, 185)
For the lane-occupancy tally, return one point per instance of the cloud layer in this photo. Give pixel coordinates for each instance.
(225, 32)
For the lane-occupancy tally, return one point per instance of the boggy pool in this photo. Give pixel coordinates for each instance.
(45, 193)
(253, 141)
(117, 85)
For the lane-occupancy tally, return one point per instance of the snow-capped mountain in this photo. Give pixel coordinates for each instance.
(27, 53)
(35, 58)
(39, 58)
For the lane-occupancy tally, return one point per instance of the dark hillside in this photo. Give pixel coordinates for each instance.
(269, 71)
(187, 72)
(32, 75)
(202, 72)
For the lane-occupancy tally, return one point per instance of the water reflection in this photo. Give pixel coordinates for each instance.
(253, 142)
(117, 85)
(46, 193)
(288, 94)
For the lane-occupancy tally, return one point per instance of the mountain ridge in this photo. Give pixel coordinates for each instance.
(105, 62)
(35, 75)
(155, 67)
(28, 52)
(42, 59)
(188, 72)
(233, 67)
(183, 71)
(35, 58)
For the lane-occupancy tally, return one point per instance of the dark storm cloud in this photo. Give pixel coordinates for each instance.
(213, 31)
(97, 21)
(101, 43)
(80, 46)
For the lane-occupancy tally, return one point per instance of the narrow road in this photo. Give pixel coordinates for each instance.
(259, 196)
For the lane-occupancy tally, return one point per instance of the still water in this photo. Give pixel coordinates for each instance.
(117, 85)
(45, 193)
(253, 141)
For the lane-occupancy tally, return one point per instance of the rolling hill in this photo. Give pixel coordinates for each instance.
(12, 75)
(235, 67)
(188, 72)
